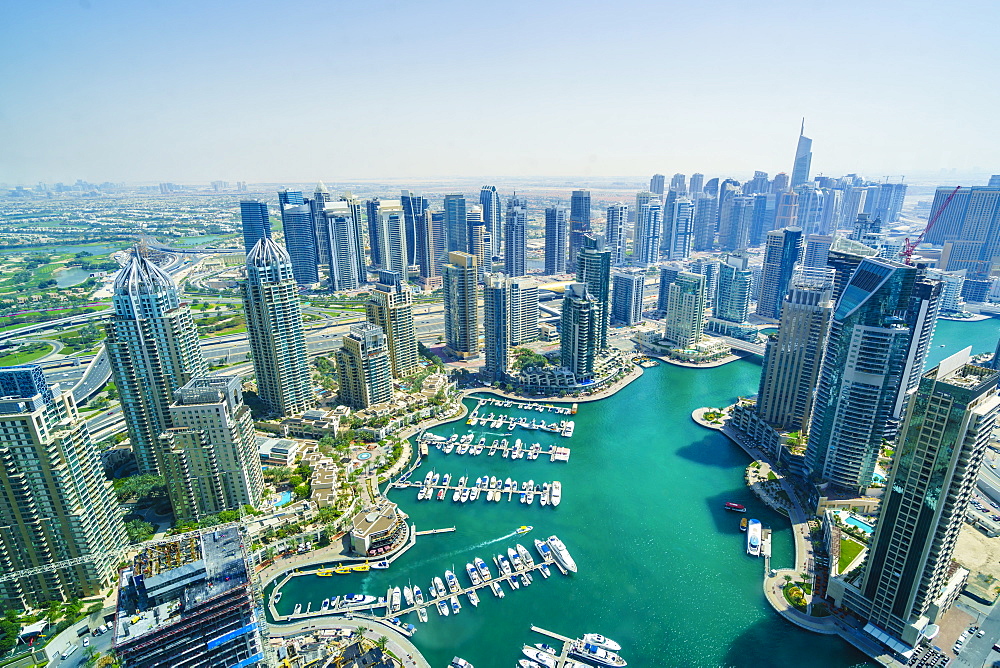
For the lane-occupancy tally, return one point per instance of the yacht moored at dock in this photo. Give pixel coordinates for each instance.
(595, 654)
(561, 554)
(753, 538)
(601, 641)
(555, 493)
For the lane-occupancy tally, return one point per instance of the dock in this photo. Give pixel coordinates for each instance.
(554, 453)
(449, 492)
(430, 532)
(562, 659)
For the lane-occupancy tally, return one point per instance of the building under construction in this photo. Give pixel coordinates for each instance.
(189, 603)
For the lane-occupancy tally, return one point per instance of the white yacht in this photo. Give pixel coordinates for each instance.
(561, 554)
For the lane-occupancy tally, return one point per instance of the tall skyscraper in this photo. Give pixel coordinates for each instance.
(211, 461)
(414, 206)
(392, 236)
(153, 347)
(316, 208)
(803, 159)
(364, 367)
(968, 228)
(57, 504)
(735, 221)
(648, 228)
(300, 236)
(680, 236)
(274, 329)
(759, 184)
(390, 307)
(593, 269)
(677, 183)
(811, 204)
(792, 360)
(732, 297)
(763, 221)
(684, 320)
(480, 243)
(556, 239)
(890, 202)
(658, 184)
(697, 184)
(456, 223)
(782, 251)
(817, 250)
(786, 212)
(878, 339)
(626, 297)
(780, 183)
(344, 243)
(496, 326)
(614, 232)
(357, 209)
(374, 235)
(909, 579)
(579, 222)
(705, 214)
(580, 331)
(489, 200)
(667, 276)
(256, 222)
(461, 309)
(431, 245)
(515, 237)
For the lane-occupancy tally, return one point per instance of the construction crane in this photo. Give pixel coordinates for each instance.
(908, 246)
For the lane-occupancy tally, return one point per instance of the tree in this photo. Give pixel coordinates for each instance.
(362, 630)
(382, 643)
(301, 492)
(139, 531)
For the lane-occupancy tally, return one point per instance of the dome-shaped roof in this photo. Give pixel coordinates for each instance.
(141, 276)
(321, 187)
(266, 253)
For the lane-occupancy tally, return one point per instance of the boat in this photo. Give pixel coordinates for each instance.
(497, 589)
(567, 430)
(441, 493)
(526, 557)
(480, 446)
(545, 495)
(443, 609)
(555, 493)
(735, 507)
(512, 581)
(381, 565)
(594, 654)
(435, 480)
(475, 492)
(537, 655)
(325, 572)
(484, 570)
(515, 559)
(544, 550)
(525, 579)
(473, 597)
(439, 588)
(396, 600)
(446, 479)
(524, 529)
(361, 568)
(466, 492)
(753, 538)
(601, 641)
(418, 596)
(277, 597)
(358, 599)
(459, 662)
(743, 524)
(525, 663)
(298, 609)
(473, 575)
(429, 477)
(342, 570)
(457, 495)
(561, 554)
(455, 605)
(325, 605)
(422, 613)
(546, 571)
(493, 447)
(503, 564)
(524, 497)
(448, 448)
(531, 492)
(452, 581)
(408, 596)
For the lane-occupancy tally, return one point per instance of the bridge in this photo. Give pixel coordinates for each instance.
(739, 344)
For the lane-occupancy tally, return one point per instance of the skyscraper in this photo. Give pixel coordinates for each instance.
(879, 334)
(374, 240)
(803, 159)
(968, 228)
(817, 250)
(626, 297)
(579, 222)
(461, 309)
(732, 297)
(57, 504)
(300, 236)
(781, 252)
(657, 184)
(648, 228)
(684, 320)
(431, 245)
(316, 208)
(556, 239)
(792, 359)
(344, 244)
(392, 236)
(489, 200)
(480, 243)
(496, 326)
(614, 232)
(705, 214)
(593, 269)
(735, 221)
(274, 330)
(667, 276)
(211, 461)
(364, 367)
(357, 209)
(580, 331)
(811, 203)
(390, 307)
(515, 236)
(697, 184)
(456, 223)
(153, 348)
(677, 183)
(414, 206)
(680, 236)
(909, 578)
(256, 222)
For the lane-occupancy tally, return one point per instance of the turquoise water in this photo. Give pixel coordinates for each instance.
(286, 498)
(864, 526)
(663, 569)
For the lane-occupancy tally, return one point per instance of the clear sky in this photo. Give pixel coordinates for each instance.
(298, 90)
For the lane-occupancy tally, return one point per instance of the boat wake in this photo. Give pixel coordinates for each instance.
(454, 553)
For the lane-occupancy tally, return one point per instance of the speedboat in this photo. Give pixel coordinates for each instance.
(475, 492)
(457, 495)
(743, 524)
(473, 597)
(443, 609)
(439, 588)
(515, 559)
(361, 568)
(326, 605)
(418, 595)
(446, 479)
(480, 445)
(429, 477)
(753, 538)
(544, 550)
(525, 663)
(545, 495)
(441, 493)
(358, 599)
(537, 655)
(523, 529)
(506, 485)
(525, 579)
(526, 558)
(735, 507)
(497, 589)
(512, 581)
(455, 605)
(459, 662)
(435, 480)
(298, 609)
(503, 564)
(381, 565)
(555, 493)
(277, 597)
(601, 641)
(546, 571)
(324, 572)
(531, 492)
(561, 554)
(595, 654)
(342, 570)
(452, 582)
(408, 596)
(422, 613)
(473, 575)
(484, 570)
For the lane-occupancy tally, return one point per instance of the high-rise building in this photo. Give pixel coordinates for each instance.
(817, 250)
(732, 296)
(780, 183)
(593, 268)
(357, 209)
(392, 236)
(968, 228)
(57, 504)
(648, 228)
(496, 326)
(786, 212)
(480, 244)
(684, 319)
(658, 184)
(516, 237)
(811, 204)
(489, 200)
(764, 212)
(890, 202)
(709, 268)
(316, 206)
(696, 184)
(300, 236)
(274, 329)
(364, 368)
(431, 248)
(580, 331)
(782, 251)
(705, 214)
(792, 359)
(374, 241)
(878, 339)
(196, 608)
(677, 183)
(210, 457)
(614, 232)
(456, 223)
(735, 221)
(803, 159)
(909, 579)
(579, 222)
(667, 276)
(414, 206)
(680, 234)
(344, 244)
(758, 185)
(556, 239)
(461, 309)
(153, 347)
(390, 306)
(626, 297)
(256, 222)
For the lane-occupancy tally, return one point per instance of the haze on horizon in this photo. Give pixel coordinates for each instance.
(187, 91)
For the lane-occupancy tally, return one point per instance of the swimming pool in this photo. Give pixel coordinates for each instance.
(855, 522)
(286, 498)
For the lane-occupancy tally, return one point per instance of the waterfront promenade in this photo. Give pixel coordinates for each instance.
(398, 643)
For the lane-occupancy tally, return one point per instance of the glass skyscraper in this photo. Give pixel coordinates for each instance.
(256, 222)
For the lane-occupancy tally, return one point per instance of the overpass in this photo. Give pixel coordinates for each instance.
(97, 374)
(741, 345)
(153, 244)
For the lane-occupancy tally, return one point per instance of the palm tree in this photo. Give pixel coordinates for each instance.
(362, 630)
(382, 643)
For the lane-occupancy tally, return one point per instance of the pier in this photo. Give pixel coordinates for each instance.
(562, 659)
(554, 453)
(449, 492)
(430, 532)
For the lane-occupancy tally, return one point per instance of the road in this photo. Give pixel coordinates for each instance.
(978, 652)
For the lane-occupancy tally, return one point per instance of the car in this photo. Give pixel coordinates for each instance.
(980, 633)
(86, 642)
(972, 629)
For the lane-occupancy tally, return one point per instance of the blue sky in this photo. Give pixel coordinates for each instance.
(187, 91)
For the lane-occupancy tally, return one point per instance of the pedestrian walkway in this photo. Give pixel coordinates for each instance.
(398, 643)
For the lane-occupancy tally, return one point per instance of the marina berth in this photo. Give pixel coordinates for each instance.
(561, 554)
(601, 641)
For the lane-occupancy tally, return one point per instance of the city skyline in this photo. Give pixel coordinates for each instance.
(167, 109)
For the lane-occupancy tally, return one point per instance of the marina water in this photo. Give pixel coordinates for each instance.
(662, 567)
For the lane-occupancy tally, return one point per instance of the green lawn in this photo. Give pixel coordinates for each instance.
(13, 359)
(849, 549)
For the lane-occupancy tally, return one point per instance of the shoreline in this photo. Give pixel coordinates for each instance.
(631, 376)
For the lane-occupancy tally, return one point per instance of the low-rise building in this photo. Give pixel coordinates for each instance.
(277, 451)
(379, 529)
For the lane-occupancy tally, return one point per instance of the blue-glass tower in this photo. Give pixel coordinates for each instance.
(256, 222)
(300, 236)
